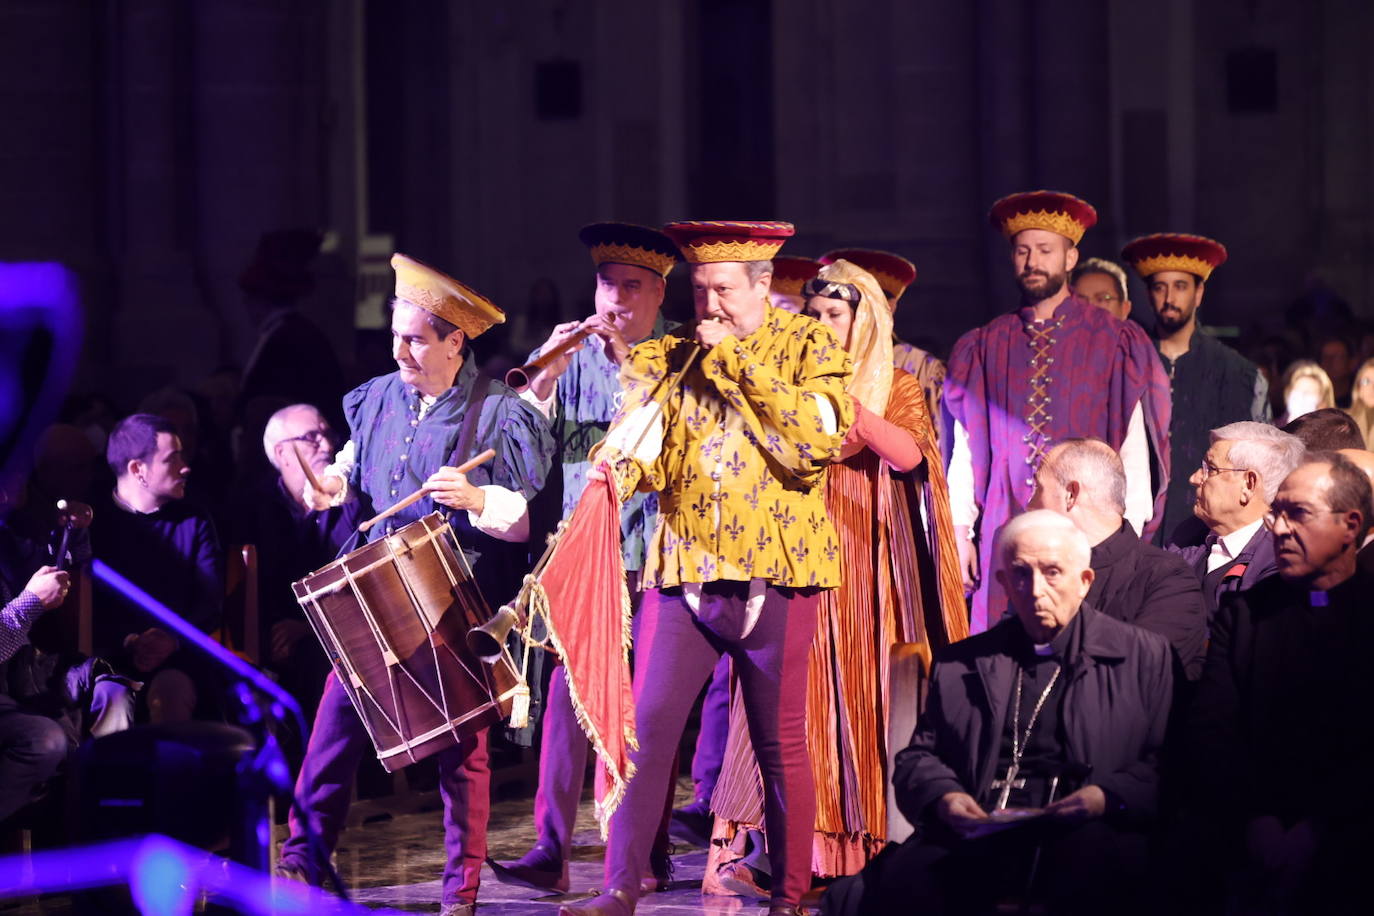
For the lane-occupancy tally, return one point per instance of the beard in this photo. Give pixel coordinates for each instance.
(1172, 320)
(1051, 286)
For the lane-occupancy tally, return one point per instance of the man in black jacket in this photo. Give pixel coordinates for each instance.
(1280, 725)
(1135, 582)
(1034, 769)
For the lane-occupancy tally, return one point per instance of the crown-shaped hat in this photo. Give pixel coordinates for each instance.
(627, 243)
(790, 273)
(1194, 254)
(711, 241)
(893, 272)
(1051, 210)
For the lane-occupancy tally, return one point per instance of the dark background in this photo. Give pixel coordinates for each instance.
(147, 143)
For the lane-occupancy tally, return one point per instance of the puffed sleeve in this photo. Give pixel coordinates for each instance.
(799, 420)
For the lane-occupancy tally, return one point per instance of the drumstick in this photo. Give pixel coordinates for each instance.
(422, 492)
(305, 468)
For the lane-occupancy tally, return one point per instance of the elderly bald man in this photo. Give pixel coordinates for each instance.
(1135, 582)
(1042, 732)
(1229, 548)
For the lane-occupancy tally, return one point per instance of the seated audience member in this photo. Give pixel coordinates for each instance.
(1326, 430)
(1306, 387)
(1058, 709)
(293, 540)
(1135, 582)
(1364, 460)
(1280, 735)
(32, 746)
(150, 534)
(1230, 549)
(1361, 407)
(40, 669)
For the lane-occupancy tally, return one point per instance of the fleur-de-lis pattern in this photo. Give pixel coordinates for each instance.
(740, 475)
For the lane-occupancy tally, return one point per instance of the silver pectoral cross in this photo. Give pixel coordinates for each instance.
(1006, 785)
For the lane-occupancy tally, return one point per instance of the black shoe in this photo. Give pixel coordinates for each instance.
(692, 824)
(538, 869)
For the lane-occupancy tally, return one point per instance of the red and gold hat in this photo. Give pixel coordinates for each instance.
(438, 293)
(893, 272)
(1051, 210)
(627, 243)
(791, 273)
(1193, 254)
(711, 241)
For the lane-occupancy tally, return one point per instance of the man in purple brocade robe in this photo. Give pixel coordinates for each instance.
(1056, 367)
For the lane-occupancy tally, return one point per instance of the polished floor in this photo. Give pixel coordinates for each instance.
(396, 863)
(394, 857)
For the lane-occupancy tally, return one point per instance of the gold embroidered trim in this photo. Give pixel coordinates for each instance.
(469, 317)
(714, 252)
(889, 283)
(1057, 221)
(1148, 267)
(656, 261)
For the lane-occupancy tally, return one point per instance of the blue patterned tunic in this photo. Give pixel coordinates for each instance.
(587, 397)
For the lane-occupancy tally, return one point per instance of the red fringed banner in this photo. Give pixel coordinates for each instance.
(583, 598)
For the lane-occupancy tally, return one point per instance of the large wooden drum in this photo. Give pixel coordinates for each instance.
(393, 616)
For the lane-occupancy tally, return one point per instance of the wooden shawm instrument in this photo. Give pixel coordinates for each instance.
(578, 589)
(519, 378)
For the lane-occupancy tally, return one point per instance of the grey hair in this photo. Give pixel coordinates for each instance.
(1267, 450)
(756, 269)
(275, 431)
(1102, 266)
(1080, 552)
(441, 326)
(1097, 469)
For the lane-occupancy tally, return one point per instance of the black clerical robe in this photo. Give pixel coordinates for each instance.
(1140, 584)
(1280, 725)
(1118, 683)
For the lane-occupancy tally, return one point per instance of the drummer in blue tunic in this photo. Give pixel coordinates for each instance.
(409, 429)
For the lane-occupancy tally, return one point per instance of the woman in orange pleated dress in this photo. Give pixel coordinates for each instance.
(901, 597)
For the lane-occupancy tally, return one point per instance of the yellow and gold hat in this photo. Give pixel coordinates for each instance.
(1054, 211)
(438, 293)
(1192, 254)
(627, 243)
(712, 241)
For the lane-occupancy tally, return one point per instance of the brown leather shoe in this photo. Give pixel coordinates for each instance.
(458, 909)
(779, 909)
(608, 903)
(738, 878)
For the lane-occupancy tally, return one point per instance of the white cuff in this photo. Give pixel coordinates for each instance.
(963, 506)
(830, 422)
(642, 430)
(505, 514)
(544, 406)
(1135, 457)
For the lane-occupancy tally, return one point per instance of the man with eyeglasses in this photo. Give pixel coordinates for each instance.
(1103, 284)
(293, 540)
(1211, 383)
(1280, 728)
(1230, 549)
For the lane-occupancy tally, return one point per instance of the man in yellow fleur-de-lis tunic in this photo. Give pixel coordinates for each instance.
(737, 453)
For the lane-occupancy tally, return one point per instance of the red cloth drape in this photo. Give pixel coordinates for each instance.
(588, 614)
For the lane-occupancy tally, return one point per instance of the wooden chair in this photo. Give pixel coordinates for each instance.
(240, 628)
